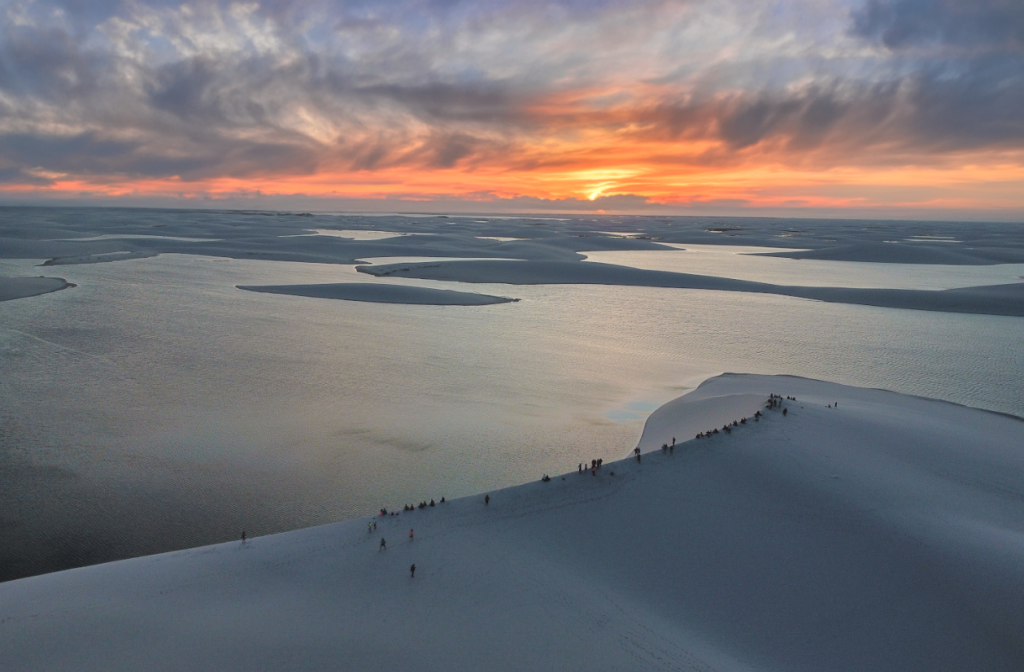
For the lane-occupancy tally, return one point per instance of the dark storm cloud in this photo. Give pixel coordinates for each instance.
(977, 105)
(474, 102)
(77, 152)
(19, 176)
(445, 151)
(981, 24)
(968, 88)
(928, 112)
(49, 62)
(187, 89)
(89, 154)
(801, 121)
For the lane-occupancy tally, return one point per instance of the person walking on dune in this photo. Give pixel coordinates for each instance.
(383, 544)
(412, 571)
(410, 534)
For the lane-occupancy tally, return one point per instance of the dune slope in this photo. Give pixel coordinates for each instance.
(885, 534)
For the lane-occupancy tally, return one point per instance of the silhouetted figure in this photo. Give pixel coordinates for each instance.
(243, 536)
(487, 500)
(673, 441)
(785, 411)
(664, 447)
(442, 500)
(431, 502)
(410, 534)
(579, 467)
(412, 571)
(600, 461)
(383, 544)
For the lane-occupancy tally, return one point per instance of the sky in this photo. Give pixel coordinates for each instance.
(876, 108)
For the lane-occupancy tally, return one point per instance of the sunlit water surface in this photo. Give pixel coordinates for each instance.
(156, 406)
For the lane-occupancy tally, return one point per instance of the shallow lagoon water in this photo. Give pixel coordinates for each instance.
(156, 406)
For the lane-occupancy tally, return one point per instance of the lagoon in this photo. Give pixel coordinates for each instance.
(157, 406)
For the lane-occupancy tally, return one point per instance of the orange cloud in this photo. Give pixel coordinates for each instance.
(583, 171)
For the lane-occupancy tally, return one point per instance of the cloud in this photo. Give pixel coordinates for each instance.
(163, 90)
(987, 25)
(19, 176)
(614, 203)
(966, 88)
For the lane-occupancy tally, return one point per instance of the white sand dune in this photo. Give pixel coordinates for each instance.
(380, 293)
(101, 257)
(1005, 299)
(885, 534)
(20, 288)
(899, 252)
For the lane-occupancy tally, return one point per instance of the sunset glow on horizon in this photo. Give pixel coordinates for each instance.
(893, 107)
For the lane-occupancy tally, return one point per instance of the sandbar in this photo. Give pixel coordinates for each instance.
(21, 288)
(1007, 300)
(382, 293)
